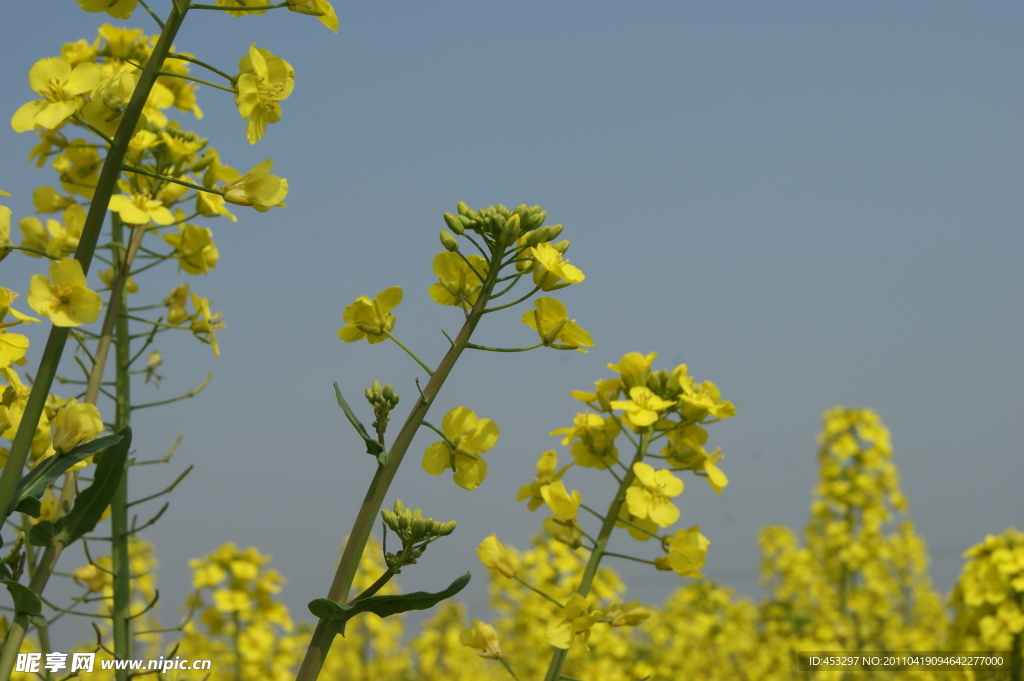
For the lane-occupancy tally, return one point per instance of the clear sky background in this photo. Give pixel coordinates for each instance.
(808, 203)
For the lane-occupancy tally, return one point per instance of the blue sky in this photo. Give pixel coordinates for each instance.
(810, 204)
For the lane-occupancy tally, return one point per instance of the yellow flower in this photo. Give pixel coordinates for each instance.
(318, 8)
(61, 86)
(74, 424)
(632, 368)
(687, 551)
(550, 270)
(642, 407)
(561, 503)
(119, 9)
(640, 529)
(626, 614)
(194, 248)
(466, 438)
(263, 81)
(551, 321)
(594, 445)
(651, 492)
(107, 103)
(204, 323)
(546, 474)
(257, 188)
(484, 638)
(493, 555)
(7, 298)
(241, 7)
(107, 277)
(13, 347)
(687, 451)
(370, 319)
(175, 303)
(67, 300)
(565, 531)
(704, 399)
(49, 200)
(460, 282)
(93, 577)
(577, 620)
(5, 231)
(139, 209)
(79, 167)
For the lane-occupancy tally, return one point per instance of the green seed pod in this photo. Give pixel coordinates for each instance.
(449, 242)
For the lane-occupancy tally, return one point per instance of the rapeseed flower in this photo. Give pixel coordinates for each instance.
(460, 279)
(66, 300)
(466, 438)
(61, 87)
(370, 319)
(650, 495)
(75, 424)
(551, 321)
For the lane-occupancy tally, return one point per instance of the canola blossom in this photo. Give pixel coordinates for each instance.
(467, 438)
(64, 297)
(370, 319)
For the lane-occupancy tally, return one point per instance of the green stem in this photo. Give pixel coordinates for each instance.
(172, 74)
(320, 644)
(626, 557)
(238, 9)
(120, 564)
(409, 352)
(158, 176)
(508, 667)
(474, 346)
(600, 548)
(537, 591)
(199, 62)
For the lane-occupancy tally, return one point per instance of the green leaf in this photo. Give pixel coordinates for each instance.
(90, 502)
(383, 606)
(25, 600)
(373, 448)
(33, 486)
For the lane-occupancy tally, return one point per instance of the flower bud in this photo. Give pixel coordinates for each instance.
(454, 224)
(537, 217)
(509, 231)
(449, 242)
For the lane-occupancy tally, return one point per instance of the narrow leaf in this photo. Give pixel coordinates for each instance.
(383, 606)
(90, 502)
(35, 483)
(373, 448)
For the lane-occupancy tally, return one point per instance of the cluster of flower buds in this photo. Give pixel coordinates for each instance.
(414, 530)
(498, 222)
(383, 400)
